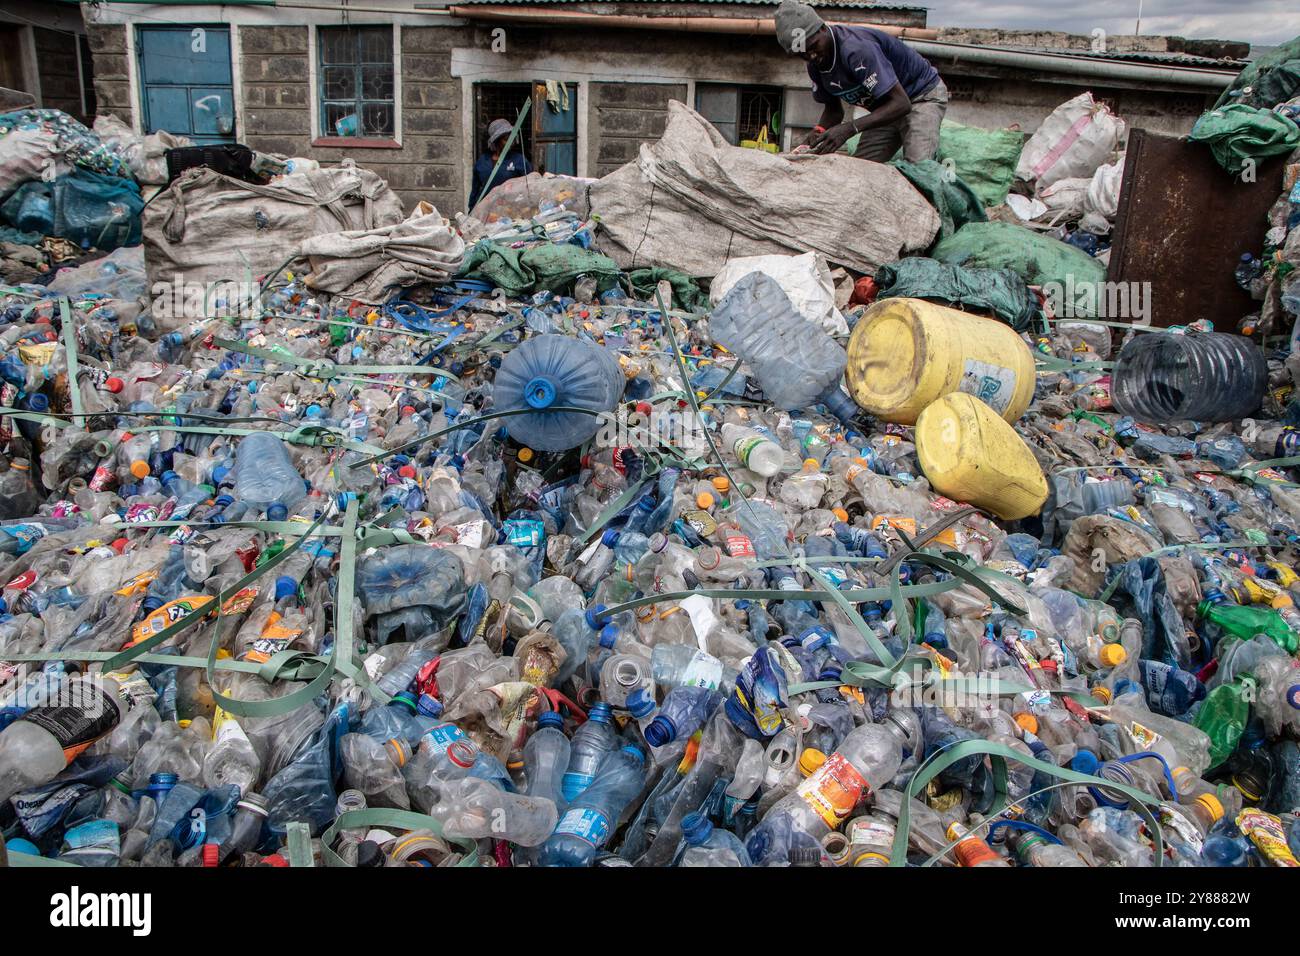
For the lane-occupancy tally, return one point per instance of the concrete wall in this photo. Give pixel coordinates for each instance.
(49, 58)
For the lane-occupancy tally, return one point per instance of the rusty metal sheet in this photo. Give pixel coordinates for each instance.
(1182, 226)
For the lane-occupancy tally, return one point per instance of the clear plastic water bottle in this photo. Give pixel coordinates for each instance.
(681, 714)
(546, 758)
(265, 478)
(703, 844)
(556, 370)
(589, 744)
(1163, 377)
(796, 363)
(591, 818)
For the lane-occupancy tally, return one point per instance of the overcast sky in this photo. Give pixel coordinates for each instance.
(1259, 21)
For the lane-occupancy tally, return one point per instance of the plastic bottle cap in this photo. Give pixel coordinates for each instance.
(1085, 761)
(812, 463)
(139, 469)
(525, 455)
(660, 731)
(708, 557)
(1112, 655)
(704, 501)
(551, 718)
(639, 703)
(840, 514)
(721, 484)
(277, 512)
(810, 761)
(406, 471)
(1027, 722)
(114, 384)
(1212, 805)
(1101, 693)
(211, 853)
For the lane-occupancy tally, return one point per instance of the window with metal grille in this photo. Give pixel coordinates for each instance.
(741, 112)
(356, 81)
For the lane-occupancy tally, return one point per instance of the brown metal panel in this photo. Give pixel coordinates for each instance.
(1183, 224)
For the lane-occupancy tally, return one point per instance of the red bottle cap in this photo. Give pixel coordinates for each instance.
(114, 384)
(210, 854)
(406, 471)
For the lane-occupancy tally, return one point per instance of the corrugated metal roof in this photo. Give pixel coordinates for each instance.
(822, 4)
(1136, 56)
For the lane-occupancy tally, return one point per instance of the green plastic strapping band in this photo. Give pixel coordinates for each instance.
(70, 347)
(407, 820)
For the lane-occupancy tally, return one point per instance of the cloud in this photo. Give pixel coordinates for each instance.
(1266, 22)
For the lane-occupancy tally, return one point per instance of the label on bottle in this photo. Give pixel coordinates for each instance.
(701, 522)
(704, 670)
(1266, 832)
(444, 735)
(833, 790)
(138, 584)
(972, 851)
(89, 712)
(470, 534)
(590, 826)
(41, 808)
(739, 545)
(868, 831)
(101, 835)
(275, 637)
(899, 522)
(168, 614)
(226, 727)
(1175, 819)
(1144, 737)
(101, 479)
(744, 447)
(525, 534)
(993, 385)
(22, 582)
(240, 601)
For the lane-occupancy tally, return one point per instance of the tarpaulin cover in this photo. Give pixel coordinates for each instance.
(692, 201)
(552, 267)
(1237, 134)
(999, 290)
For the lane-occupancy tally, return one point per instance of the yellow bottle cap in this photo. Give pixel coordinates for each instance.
(840, 514)
(811, 463)
(1112, 655)
(525, 455)
(140, 469)
(704, 501)
(1212, 805)
(810, 761)
(1102, 694)
(1027, 722)
(721, 484)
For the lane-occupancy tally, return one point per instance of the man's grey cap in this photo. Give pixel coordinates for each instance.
(497, 129)
(796, 20)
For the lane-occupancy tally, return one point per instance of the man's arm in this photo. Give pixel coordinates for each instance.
(894, 106)
(832, 115)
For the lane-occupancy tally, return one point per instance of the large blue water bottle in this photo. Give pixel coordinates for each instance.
(551, 371)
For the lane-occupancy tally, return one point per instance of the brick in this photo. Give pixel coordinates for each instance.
(280, 94)
(112, 95)
(281, 68)
(110, 66)
(436, 95)
(631, 122)
(288, 39)
(430, 121)
(278, 121)
(636, 95)
(617, 150)
(433, 39)
(432, 149)
(106, 38)
(423, 66)
(284, 145)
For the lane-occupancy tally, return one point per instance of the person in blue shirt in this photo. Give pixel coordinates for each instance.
(515, 164)
(868, 68)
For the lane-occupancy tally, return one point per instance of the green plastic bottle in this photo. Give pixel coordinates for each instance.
(1245, 621)
(1223, 717)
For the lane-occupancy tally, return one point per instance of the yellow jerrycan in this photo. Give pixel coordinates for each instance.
(970, 454)
(905, 353)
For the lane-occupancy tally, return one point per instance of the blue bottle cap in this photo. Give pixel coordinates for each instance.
(285, 586)
(168, 477)
(634, 752)
(551, 718)
(696, 828)
(640, 703)
(609, 538)
(151, 604)
(539, 393)
(223, 501)
(646, 503)
(406, 699)
(38, 402)
(608, 635)
(429, 706)
(601, 713)
(1085, 761)
(313, 411)
(660, 731)
(219, 474)
(277, 512)
(595, 617)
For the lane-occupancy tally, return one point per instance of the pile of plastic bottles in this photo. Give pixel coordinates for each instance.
(336, 585)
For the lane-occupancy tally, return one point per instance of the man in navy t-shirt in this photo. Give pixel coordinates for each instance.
(514, 165)
(868, 68)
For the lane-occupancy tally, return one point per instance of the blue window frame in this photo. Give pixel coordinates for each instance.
(356, 81)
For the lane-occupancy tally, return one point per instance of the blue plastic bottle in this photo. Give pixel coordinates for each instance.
(551, 371)
(589, 745)
(590, 820)
(681, 714)
(1169, 690)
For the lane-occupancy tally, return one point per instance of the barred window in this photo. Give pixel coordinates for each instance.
(356, 81)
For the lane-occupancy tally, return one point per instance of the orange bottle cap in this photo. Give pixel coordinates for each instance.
(140, 469)
(704, 501)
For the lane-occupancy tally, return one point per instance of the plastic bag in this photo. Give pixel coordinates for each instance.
(984, 159)
(804, 279)
(1073, 141)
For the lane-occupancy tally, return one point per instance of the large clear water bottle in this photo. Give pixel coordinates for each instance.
(265, 478)
(1163, 377)
(551, 371)
(795, 362)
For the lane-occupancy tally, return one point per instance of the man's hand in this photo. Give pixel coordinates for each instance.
(833, 138)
